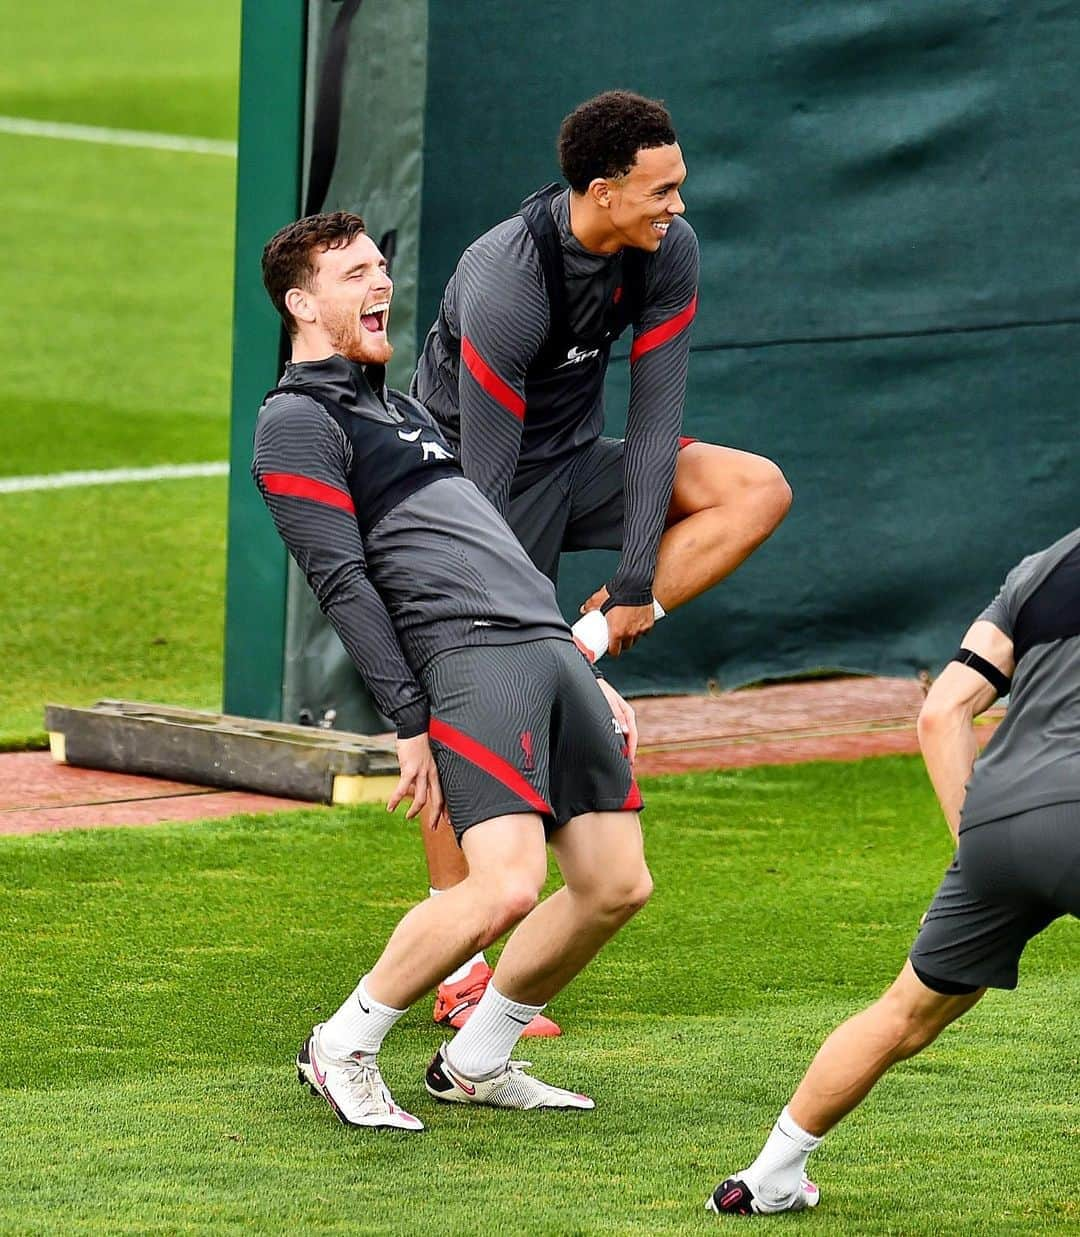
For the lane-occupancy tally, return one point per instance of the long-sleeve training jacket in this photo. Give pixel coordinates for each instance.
(512, 404)
(406, 557)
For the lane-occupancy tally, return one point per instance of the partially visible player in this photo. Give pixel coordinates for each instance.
(1015, 813)
(460, 640)
(514, 368)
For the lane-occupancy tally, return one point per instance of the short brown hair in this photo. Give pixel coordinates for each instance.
(602, 136)
(287, 259)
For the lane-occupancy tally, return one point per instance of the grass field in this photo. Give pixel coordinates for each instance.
(119, 289)
(158, 981)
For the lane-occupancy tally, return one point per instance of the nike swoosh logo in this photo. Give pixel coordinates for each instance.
(457, 1081)
(409, 437)
(320, 1077)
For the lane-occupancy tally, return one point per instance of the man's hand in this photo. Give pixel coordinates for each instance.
(626, 624)
(419, 779)
(623, 714)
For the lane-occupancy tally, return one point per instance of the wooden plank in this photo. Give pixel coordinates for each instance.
(215, 749)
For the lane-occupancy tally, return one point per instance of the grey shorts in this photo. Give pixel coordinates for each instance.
(1011, 878)
(525, 728)
(576, 505)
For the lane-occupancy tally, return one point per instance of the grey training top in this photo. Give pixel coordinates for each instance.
(508, 422)
(404, 555)
(1034, 757)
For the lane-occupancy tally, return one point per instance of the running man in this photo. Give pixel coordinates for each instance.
(513, 369)
(1015, 813)
(460, 640)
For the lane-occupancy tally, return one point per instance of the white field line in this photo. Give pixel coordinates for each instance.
(112, 476)
(116, 137)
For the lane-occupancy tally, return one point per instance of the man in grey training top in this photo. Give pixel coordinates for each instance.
(460, 640)
(514, 367)
(1015, 813)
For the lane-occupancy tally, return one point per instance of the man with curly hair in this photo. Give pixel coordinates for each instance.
(514, 369)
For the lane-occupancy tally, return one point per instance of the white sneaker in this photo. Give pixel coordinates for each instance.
(352, 1086)
(734, 1197)
(512, 1088)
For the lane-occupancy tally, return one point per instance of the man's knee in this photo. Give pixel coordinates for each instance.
(621, 895)
(507, 900)
(747, 484)
(910, 1026)
(768, 490)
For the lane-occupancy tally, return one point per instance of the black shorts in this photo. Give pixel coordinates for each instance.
(1011, 878)
(576, 505)
(525, 728)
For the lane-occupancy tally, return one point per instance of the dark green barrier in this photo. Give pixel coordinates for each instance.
(887, 200)
(886, 197)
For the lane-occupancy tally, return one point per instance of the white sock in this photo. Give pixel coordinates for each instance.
(465, 967)
(483, 1045)
(360, 1025)
(777, 1172)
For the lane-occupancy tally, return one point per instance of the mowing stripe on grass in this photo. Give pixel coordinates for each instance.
(112, 476)
(117, 137)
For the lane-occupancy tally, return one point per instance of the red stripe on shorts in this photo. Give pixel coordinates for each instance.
(686, 442)
(633, 798)
(484, 758)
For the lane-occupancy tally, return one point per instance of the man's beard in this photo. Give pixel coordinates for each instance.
(348, 337)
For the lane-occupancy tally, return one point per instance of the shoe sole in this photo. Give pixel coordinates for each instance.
(464, 1099)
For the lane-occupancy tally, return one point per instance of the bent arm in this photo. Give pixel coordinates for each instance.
(300, 469)
(946, 721)
(503, 318)
(658, 365)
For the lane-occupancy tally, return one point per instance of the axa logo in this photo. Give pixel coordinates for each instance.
(576, 355)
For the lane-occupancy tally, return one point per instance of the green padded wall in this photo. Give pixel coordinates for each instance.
(888, 201)
(268, 196)
(378, 175)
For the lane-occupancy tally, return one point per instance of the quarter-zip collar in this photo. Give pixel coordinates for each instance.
(359, 388)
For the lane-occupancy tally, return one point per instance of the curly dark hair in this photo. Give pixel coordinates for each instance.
(601, 137)
(287, 259)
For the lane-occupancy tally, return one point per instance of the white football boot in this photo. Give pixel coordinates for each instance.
(352, 1086)
(734, 1197)
(512, 1088)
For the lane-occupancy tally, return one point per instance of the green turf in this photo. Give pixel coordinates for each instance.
(156, 983)
(129, 64)
(119, 353)
(111, 591)
(119, 292)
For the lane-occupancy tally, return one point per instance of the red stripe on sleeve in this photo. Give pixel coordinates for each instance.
(490, 380)
(657, 335)
(477, 754)
(634, 802)
(291, 485)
